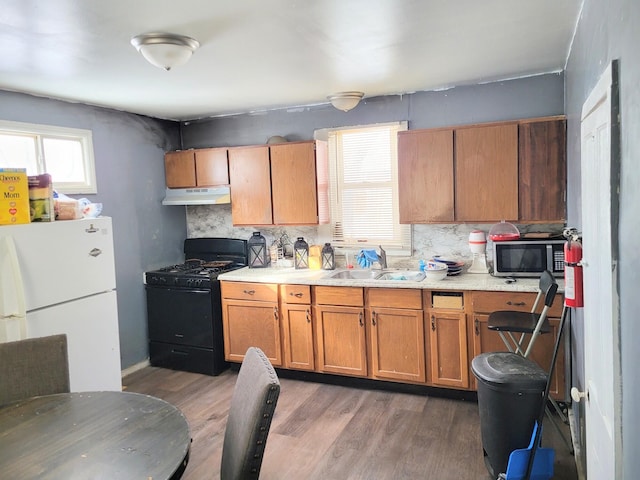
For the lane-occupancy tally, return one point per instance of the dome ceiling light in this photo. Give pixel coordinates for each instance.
(165, 50)
(345, 101)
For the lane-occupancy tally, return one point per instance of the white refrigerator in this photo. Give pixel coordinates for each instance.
(59, 277)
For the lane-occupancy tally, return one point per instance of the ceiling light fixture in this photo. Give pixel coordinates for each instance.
(165, 50)
(345, 101)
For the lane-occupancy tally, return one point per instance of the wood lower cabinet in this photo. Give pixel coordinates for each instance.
(251, 318)
(297, 327)
(485, 340)
(396, 339)
(446, 322)
(340, 330)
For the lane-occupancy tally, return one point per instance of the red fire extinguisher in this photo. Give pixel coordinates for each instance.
(573, 292)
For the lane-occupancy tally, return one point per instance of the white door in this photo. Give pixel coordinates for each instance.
(601, 361)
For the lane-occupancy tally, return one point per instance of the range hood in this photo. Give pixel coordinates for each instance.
(197, 196)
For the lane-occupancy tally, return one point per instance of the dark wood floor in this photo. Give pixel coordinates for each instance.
(328, 432)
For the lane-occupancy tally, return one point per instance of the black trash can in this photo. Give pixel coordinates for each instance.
(510, 391)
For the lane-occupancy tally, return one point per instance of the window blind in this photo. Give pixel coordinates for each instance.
(363, 190)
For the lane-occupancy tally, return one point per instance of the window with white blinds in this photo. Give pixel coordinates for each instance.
(363, 191)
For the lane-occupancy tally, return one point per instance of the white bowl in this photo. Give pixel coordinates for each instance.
(436, 271)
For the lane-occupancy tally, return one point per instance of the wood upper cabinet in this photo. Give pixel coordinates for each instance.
(340, 330)
(425, 176)
(542, 163)
(293, 183)
(486, 173)
(282, 184)
(204, 167)
(397, 334)
(485, 340)
(250, 317)
(297, 327)
(250, 181)
(447, 327)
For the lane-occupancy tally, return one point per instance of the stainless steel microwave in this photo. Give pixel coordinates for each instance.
(528, 258)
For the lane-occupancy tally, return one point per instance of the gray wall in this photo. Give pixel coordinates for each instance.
(607, 30)
(129, 151)
(523, 98)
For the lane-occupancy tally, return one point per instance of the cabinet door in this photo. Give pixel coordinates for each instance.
(448, 348)
(297, 336)
(543, 170)
(485, 340)
(486, 173)
(293, 184)
(251, 324)
(425, 176)
(211, 167)
(397, 344)
(340, 340)
(180, 169)
(250, 183)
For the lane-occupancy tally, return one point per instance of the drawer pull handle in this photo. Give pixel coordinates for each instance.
(476, 324)
(360, 319)
(95, 252)
(308, 316)
(178, 335)
(275, 314)
(433, 323)
(249, 292)
(298, 295)
(516, 304)
(91, 229)
(179, 352)
(373, 318)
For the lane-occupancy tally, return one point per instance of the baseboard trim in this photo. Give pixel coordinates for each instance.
(134, 368)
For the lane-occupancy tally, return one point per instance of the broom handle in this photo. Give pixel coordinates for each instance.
(545, 396)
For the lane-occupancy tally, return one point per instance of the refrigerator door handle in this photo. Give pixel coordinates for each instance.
(13, 316)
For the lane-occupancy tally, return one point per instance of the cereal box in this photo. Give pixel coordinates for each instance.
(41, 198)
(14, 196)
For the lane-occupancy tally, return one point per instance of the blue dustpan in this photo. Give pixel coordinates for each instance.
(542, 462)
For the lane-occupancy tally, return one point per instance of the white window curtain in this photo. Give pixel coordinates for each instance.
(363, 188)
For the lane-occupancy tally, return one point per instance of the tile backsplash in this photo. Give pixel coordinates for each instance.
(450, 241)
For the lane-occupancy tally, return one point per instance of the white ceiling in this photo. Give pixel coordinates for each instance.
(265, 54)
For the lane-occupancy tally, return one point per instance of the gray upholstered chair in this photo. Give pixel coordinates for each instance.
(252, 405)
(33, 367)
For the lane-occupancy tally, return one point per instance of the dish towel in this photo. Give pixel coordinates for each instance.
(366, 257)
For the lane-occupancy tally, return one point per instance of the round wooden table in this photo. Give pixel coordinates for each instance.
(93, 435)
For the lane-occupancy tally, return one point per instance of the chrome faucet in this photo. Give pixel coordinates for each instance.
(382, 258)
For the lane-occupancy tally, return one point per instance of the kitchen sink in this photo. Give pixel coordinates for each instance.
(355, 274)
(400, 275)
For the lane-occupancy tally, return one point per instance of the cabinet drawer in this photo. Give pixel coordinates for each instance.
(519, 301)
(348, 296)
(266, 292)
(394, 298)
(295, 294)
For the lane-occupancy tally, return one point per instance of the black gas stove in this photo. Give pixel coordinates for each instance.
(184, 308)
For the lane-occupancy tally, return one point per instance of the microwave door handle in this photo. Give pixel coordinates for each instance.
(12, 309)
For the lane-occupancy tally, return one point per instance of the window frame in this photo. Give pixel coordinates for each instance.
(403, 243)
(40, 131)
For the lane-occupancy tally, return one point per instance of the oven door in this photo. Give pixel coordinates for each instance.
(181, 316)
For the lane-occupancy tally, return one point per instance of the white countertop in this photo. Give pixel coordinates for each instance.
(464, 281)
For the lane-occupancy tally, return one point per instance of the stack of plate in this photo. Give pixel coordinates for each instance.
(455, 267)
